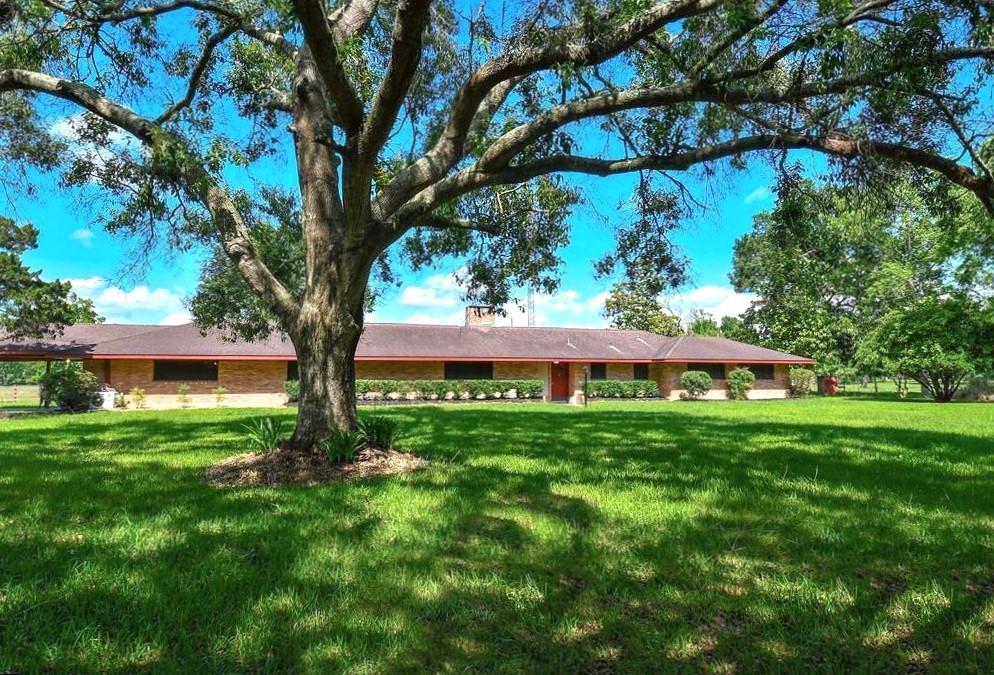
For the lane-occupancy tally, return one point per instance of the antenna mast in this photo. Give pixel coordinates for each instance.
(531, 306)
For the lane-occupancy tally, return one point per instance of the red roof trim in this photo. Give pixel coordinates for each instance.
(421, 359)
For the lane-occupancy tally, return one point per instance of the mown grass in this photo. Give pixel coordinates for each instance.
(832, 535)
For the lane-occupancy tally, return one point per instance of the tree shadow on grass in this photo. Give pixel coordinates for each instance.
(541, 540)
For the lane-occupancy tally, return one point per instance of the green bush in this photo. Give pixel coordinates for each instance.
(219, 394)
(265, 433)
(622, 389)
(740, 382)
(803, 382)
(378, 431)
(431, 390)
(342, 445)
(183, 394)
(292, 389)
(71, 387)
(696, 383)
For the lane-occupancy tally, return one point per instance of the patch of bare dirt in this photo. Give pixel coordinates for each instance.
(280, 468)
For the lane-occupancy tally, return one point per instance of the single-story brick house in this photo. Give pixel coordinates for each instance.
(159, 358)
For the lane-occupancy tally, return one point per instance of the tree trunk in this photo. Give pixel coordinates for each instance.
(325, 341)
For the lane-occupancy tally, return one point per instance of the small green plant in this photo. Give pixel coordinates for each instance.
(378, 431)
(120, 401)
(802, 382)
(740, 382)
(292, 389)
(183, 395)
(137, 395)
(219, 394)
(696, 384)
(342, 445)
(265, 433)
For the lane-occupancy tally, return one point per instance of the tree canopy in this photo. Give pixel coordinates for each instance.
(30, 306)
(452, 130)
(832, 266)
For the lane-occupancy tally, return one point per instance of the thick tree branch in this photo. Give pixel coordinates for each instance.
(472, 179)
(352, 18)
(408, 32)
(517, 64)
(324, 46)
(232, 230)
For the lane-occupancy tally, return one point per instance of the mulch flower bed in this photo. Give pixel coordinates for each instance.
(274, 469)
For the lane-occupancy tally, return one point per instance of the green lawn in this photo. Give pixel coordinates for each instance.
(830, 534)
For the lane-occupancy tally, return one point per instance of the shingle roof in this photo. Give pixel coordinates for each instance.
(400, 342)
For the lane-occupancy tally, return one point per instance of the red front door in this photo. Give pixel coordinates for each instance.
(560, 381)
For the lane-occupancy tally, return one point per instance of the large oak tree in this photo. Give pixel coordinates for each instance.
(453, 127)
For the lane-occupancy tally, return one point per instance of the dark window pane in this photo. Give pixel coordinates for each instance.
(598, 371)
(469, 370)
(640, 371)
(762, 371)
(184, 371)
(291, 371)
(715, 370)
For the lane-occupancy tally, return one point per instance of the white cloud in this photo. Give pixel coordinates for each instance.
(438, 290)
(176, 319)
(717, 300)
(760, 194)
(83, 236)
(88, 284)
(140, 304)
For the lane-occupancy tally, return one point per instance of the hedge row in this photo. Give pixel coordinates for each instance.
(433, 390)
(622, 389)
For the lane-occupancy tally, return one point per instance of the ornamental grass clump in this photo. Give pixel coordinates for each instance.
(378, 431)
(265, 433)
(342, 445)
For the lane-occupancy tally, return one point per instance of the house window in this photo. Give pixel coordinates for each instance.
(184, 371)
(715, 370)
(762, 371)
(598, 371)
(640, 371)
(469, 370)
(291, 371)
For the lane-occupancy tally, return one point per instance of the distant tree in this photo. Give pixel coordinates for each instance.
(828, 263)
(703, 323)
(937, 341)
(734, 328)
(30, 306)
(21, 372)
(632, 305)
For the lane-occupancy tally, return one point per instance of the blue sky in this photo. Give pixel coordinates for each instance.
(73, 246)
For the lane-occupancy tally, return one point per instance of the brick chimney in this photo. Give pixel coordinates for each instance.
(479, 315)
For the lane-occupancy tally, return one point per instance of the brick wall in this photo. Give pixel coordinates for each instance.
(399, 370)
(249, 383)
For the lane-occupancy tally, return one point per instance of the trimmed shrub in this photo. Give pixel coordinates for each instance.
(378, 431)
(342, 445)
(292, 389)
(434, 390)
(120, 401)
(696, 383)
(622, 389)
(803, 382)
(740, 382)
(71, 387)
(265, 433)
